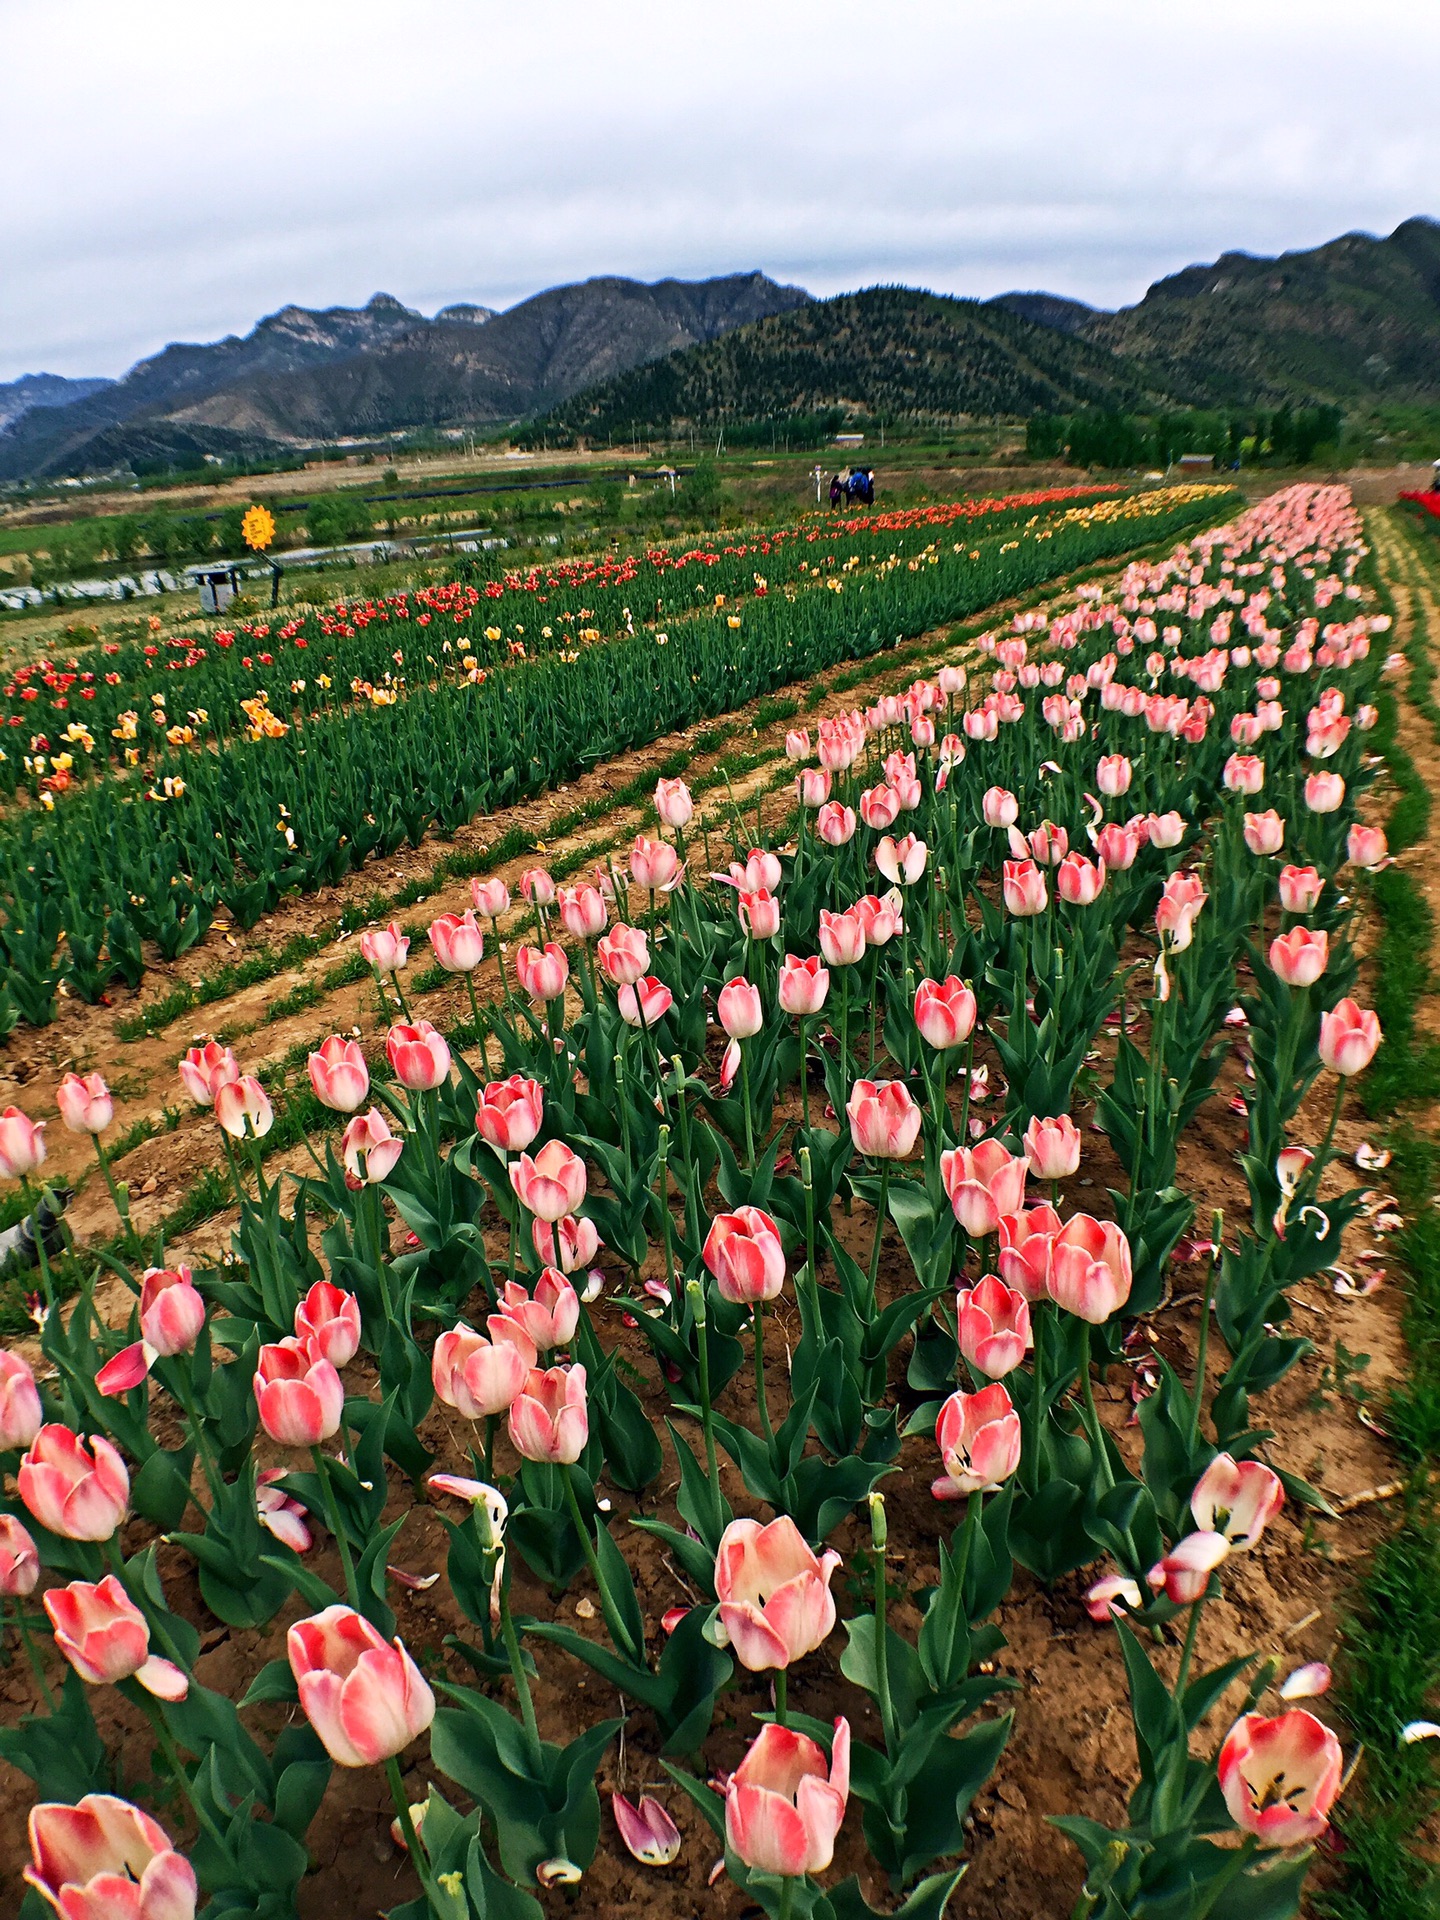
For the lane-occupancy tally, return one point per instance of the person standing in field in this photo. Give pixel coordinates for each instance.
(837, 492)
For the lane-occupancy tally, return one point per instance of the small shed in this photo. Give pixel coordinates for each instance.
(218, 587)
(1192, 465)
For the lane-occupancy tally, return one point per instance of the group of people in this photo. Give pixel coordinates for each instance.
(853, 488)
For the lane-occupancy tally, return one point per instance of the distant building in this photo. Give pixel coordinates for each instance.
(849, 440)
(1194, 464)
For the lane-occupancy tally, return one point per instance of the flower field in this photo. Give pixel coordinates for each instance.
(662, 1419)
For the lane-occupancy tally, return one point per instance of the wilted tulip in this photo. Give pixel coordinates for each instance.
(243, 1108)
(77, 1490)
(774, 1593)
(298, 1394)
(550, 1418)
(901, 861)
(204, 1070)
(363, 1694)
(1349, 1038)
(993, 1324)
(978, 1435)
(650, 1835)
(1280, 1776)
(339, 1075)
(458, 944)
(369, 1149)
(418, 1055)
(85, 1104)
(103, 1859)
(884, 1120)
(744, 1252)
(22, 1144)
(509, 1114)
(1179, 907)
(1237, 1499)
(552, 1184)
(1183, 1575)
(944, 1012)
(106, 1638)
(1112, 1598)
(784, 1804)
(280, 1513)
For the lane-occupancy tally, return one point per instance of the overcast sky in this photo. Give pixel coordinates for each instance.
(174, 171)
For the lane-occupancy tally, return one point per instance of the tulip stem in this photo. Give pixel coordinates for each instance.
(845, 1028)
(1187, 1652)
(965, 1090)
(707, 1418)
(761, 1402)
(781, 1690)
(475, 1013)
(619, 1633)
(745, 1097)
(413, 1844)
(1324, 1153)
(400, 996)
(1039, 1323)
(44, 1259)
(517, 1666)
(172, 1379)
(804, 1079)
(32, 1655)
(880, 1213)
(489, 1454)
(1239, 1860)
(1092, 1422)
(882, 1653)
(121, 1200)
(182, 1779)
(787, 1891)
(332, 1520)
(1202, 1347)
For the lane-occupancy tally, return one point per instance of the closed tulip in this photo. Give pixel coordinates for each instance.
(993, 1325)
(674, 804)
(369, 1149)
(812, 787)
(1324, 792)
(774, 1594)
(835, 824)
(1118, 846)
(1053, 1147)
(172, 1311)
(624, 955)
(1183, 1575)
(983, 1184)
(1280, 1776)
(797, 744)
(1237, 1498)
(458, 944)
(478, 1377)
(784, 1804)
(204, 1070)
(418, 1055)
(1113, 774)
(744, 1252)
(19, 1559)
(543, 972)
(568, 1244)
(1048, 844)
(1244, 773)
(944, 1012)
(1079, 881)
(243, 1108)
(999, 807)
(490, 897)
(884, 1120)
(552, 1184)
(298, 1394)
(1348, 1038)
(582, 911)
(1264, 832)
(842, 937)
(549, 1313)
(1366, 847)
(363, 1694)
(655, 865)
(802, 986)
(386, 948)
(901, 861)
(647, 1001)
(339, 1075)
(103, 1859)
(550, 1417)
(1090, 1268)
(879, 808)
(738, 1006)
(328, 1319)
(978, 1435)
(1167, 830)
(105, 1637)
(1181, 901)
(20, 1413)
(22, 1144)
(537, 887)
(1299, 957)
(77, 1490)
(1300, 889)
(880, 917)
(509, 1114)
(85, 1103)
(760, 914)
(1023, 887)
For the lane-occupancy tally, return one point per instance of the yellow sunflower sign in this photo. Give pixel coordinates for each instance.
(257, 529)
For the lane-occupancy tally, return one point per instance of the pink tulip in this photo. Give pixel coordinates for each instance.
(743, 1251)
(884, 1120)
(624, 955)
(1023, 887)
(363, 1694)
(674, 804)
(842, 937)
(901, 861)
(549, 1313)
(1348, 1038)
(22, 1144)
(103, 1859)
(77, 1490)
(418, 1055)
(1053, 1147)
(1299, 957)
(569, 1244)
(19, 1559)
(490, 897)
(1300, 889)
(105, 1637)
(1112, 1598)
(1366, 847)
(879, 808)
(655, 865)
(784, 1805)
(802, 986)
(1280, 1777)
(944, 1012)
(644, 1003)
(20, 1414)
(328, 1320)
(1264, 832)
(1237, 1498)
(298, 1393)
(1324, 792)
(582, 911)
(279, 1513)
(993, 1322)
(386, 948)
(509, 1114)
(204, 1070)
(1244, 773)
(880, 919)
(339, 1075)
(458, 944)
(537, 887)
(1079, 881)
(125, 1370)
(550, 1417)
(984, 1183)
(543, 972)
(85, 1104)
(1090, 1268)
(243, 1108)
(999, 807)
(760, 914)
(369, 1149)
(1166, 829)
(774, 1594)
(1118, 846)
(739, 1008)
(478, 1377)
(1183, 1575)
(978, 1435)
(835, 824)
(797, 744)
(1180, 903)
(1113, 774)
(552, 1184)
(172, 1311)
(650, 1835)
(812, 787)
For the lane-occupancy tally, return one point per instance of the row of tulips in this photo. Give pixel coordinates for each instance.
(620, 1150)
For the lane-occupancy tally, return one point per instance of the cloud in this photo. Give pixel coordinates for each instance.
(188, 168)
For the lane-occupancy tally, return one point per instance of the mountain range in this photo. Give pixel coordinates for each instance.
(1356, 320)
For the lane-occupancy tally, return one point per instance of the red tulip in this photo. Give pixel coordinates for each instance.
(624, 955)
(1300, 889)
(674, 804)
(582, 911)
(85, 1104)
(550, 1417)
(1023, 887)
(984, 1183)
(842, 937)
(418, 1055)
(298, 1393)
(944, 1012)
(368, 1141)
(386, 948)
(1348, 1038)
(802, 986)
(549, 1313)
(1090, 1268)
(362, 1694)
(569, 1244)
(510, 1112)
(774, 1594)
(77, 1490)
(328, 1320)
(739, 1008)
(978, 1435)
(543, 973)
(884, 1120)
(784, 1804)
(22, 1144)
(204, 1070)
(20, 1413)
(19, 1559)
(243, 1108)
(1280, 1777)
(993, 1323)
(743, 1251)
(105, 1637)
(1237, 1498)
(552, 1184)
(103, 1859)
(480, 1377)
(490, 897)
(1264, 832)
(339, 1075)
(1299, 957)
(760, 914)
(458, 944)
(647, 1001)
